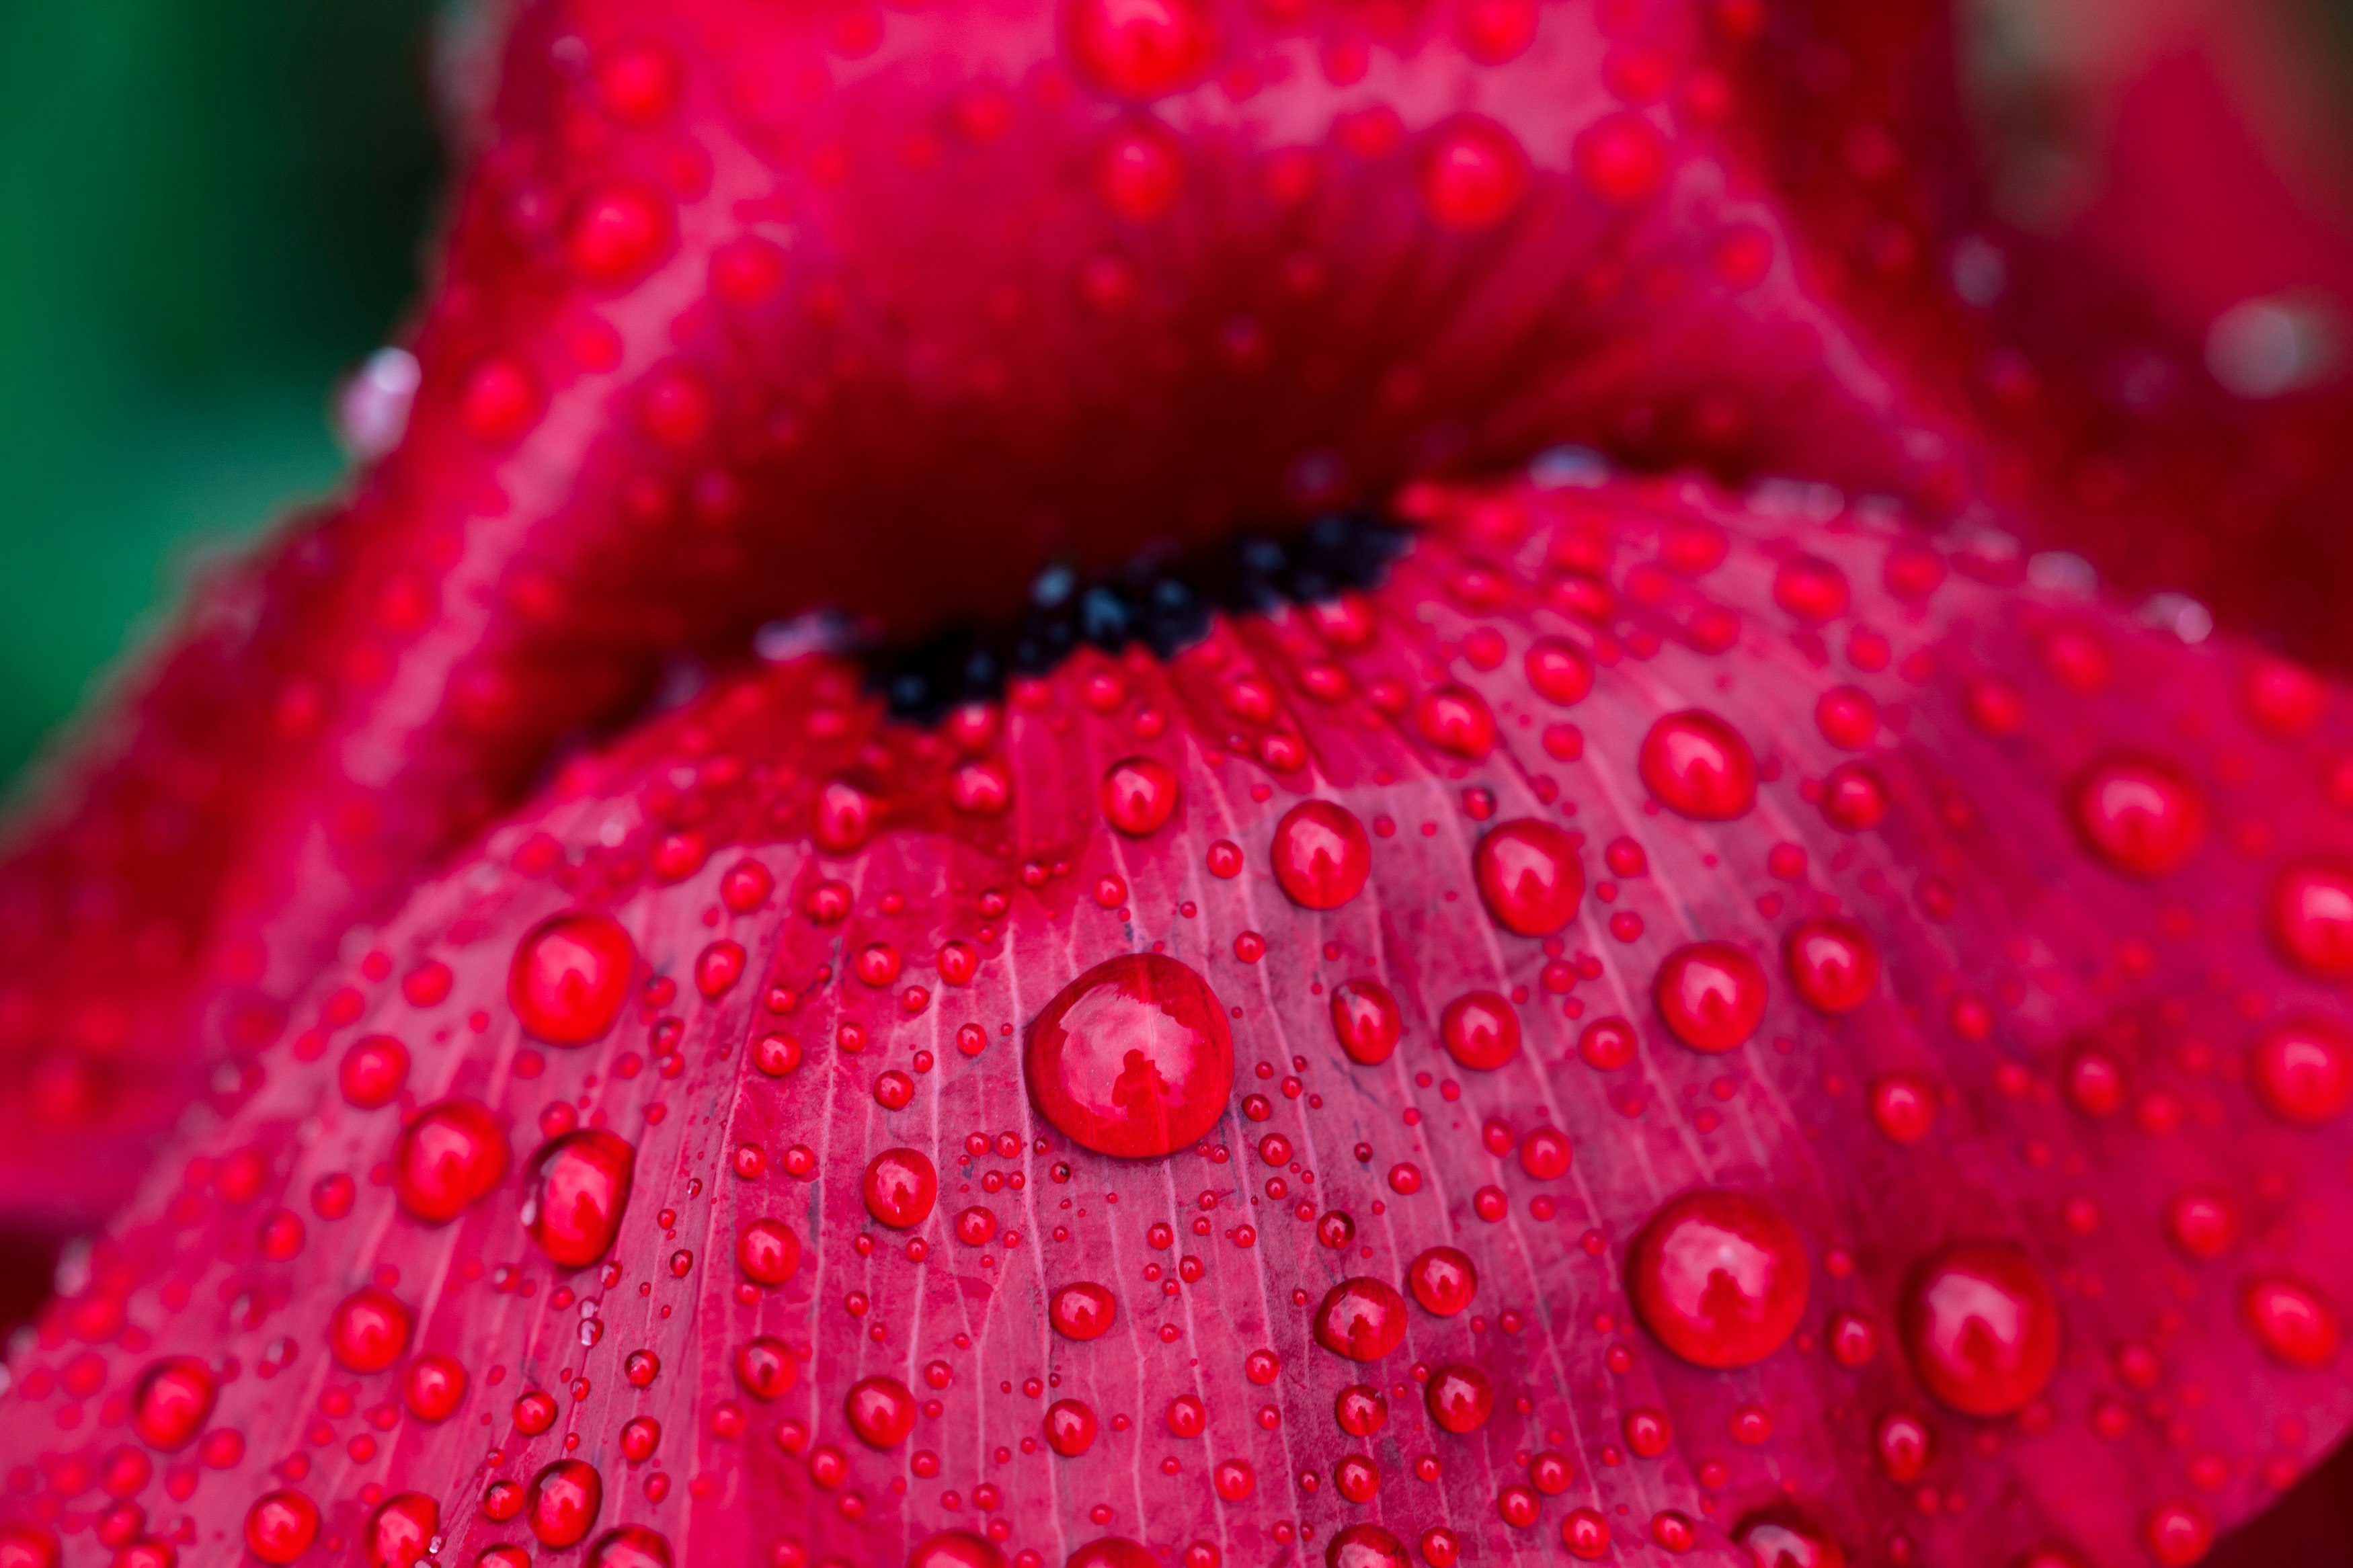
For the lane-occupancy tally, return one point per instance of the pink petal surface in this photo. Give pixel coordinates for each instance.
(2068, 1072)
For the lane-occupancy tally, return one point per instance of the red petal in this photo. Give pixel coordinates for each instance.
(1984, 1335)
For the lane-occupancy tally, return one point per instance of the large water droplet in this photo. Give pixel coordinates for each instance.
(1139, 48)
(1362, 1319)
(1322, 856)
(450, 1158)
(880, 1410)
(1697, 765)
(1778, 1536)
(1720, 1278)
(1366, 1018)
(1083, 1311)
(2291, 1320)
(955, 1549)
(901, 1187)
(570, 977)
(280, 1526)
(401, 1530)
(1529, 877)
(579, 1190)
(1980, 1327)
(1473, 173)
(172, 1401)
(565, 1498)
(1711, 996)
(1139, 795)
(368, 1332)
(2311, 917)
(1460, 1398)
(1133, 1058)
(1443, 1280)
(1479, 1030)
(630, 1546)
(2302, 1070)
(2139, 816)
(1365, 1546)
(1834, 964)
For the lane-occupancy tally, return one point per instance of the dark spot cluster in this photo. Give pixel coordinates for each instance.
(1162, 600)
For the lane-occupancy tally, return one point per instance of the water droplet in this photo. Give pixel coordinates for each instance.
(450, 1158)
(1140, 48)
(630, 1546)
(2311, 917)
(2139, 816)
(1711, 996)
(400, 1530)
(1529, 877)
(280, 1526)
(1112, 1551)
(1084, 1311)
(2302, 1070)
(1473, 173)
(1139, 795)
(1365, 1546)
(901, 1187)
(1718, 1278)
(1903, 1106)
(1810, 588)
(579, 1189)
(1457, 720)
(1070, 1427)
(1621, 158)
(372, 1071)
(1980, 1327)
(616, 232)
(368, 1332)
(1360, 1410)
(1442, 1279)
(1139, 170)
(2178, 1534)
(1479, 1030)
(1834, 964)
(570, 977)
(1460, 1398)
(880, 1410)
(173, 1401)
(955, 1549)
(1778, 1536)
(1133, 1058)
(768, 1251)
(1366, 1017)
(1322, 856)
(2291, 1320)
(1697, 765)
(2202, 1223)
(565, 1498)
(1362, 1319)
(1545, 1154)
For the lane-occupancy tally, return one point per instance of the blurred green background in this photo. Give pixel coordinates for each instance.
(207, 212)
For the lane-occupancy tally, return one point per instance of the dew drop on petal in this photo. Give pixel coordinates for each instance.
(1711, 996)
(1479, 1030)
(2302, 1070)
(280, 1526)
(1139, 795)
(1083, 1311)
(1133, 1058)
(452, 1156)
(1139, 48)
(1460, 1398)
(172, 1402)
(1322, 855)
(2311, 917)
(2139, 816)
(1696, 765)
(1718, 1278)
(578, 1190)
(955, 1549)
(1778, 1536)
(1982, 1327)
(368, 1330)
(1361, 1318)
(1365, 1546)
(565, 1498)
(1473, 173)
(630, 1546)
(1366, 1018)
(1833, 964)
(1443, 1280)
(570, 977)
(400, 1530)
(2292, 1320)
(901, 1187)
(880, 1410)
(1529, 877)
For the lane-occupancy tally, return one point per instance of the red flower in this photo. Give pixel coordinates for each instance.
(1612, 1014)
